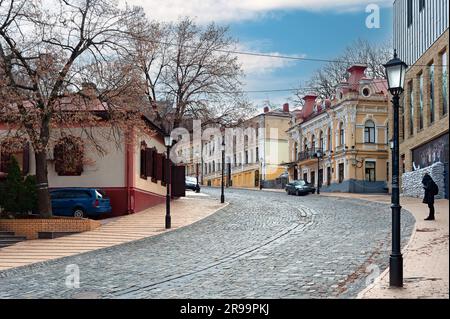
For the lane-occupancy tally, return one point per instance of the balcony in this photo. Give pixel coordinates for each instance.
(307, 155)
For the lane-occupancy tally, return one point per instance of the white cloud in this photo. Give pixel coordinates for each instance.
(237, 10)
(257, 65)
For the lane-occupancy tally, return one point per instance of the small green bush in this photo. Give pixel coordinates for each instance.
(18, 195)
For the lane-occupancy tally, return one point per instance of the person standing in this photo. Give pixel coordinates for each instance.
(431, 189)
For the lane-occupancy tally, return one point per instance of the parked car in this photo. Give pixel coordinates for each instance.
(191, 183)
(300, 187)
(79, 202)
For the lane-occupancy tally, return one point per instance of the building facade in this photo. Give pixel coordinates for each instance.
(351, 134)
(130, 170)
(254, 152)
(421, 37)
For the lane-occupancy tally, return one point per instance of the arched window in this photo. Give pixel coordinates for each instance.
(296, 151)
(313, 144)
(369, 132)
(329, 139)
(69, 156)
(341, 134)
(321, 145)
(305, 145)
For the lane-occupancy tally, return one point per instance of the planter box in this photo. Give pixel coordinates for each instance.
(30, 228)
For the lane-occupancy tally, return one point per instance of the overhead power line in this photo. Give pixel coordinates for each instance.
(278, 56)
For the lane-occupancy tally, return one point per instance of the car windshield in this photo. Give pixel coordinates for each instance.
(301, 183)
(191, 179)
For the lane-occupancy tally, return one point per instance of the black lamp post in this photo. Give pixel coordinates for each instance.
(197, 187)
(222, 196)
(168, 142)
(319, 156)
(395, 71)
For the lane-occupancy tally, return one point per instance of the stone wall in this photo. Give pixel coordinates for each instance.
(412, 181)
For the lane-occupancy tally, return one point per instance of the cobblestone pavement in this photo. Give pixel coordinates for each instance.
(262, 245)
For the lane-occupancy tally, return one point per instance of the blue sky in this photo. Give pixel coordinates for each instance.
(308, 28)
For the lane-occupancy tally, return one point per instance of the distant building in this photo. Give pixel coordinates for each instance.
(350, 131)
(421, 37)
(256, 154)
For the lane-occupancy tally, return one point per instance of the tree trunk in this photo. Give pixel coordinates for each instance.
(44, 203)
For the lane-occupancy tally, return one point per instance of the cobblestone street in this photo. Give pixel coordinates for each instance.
(262, 245)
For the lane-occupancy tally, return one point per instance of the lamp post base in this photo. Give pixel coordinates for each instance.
(168, 221)
(396, 271)
(222, 199)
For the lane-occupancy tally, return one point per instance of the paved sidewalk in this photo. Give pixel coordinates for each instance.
(114, 231)
(426, 257)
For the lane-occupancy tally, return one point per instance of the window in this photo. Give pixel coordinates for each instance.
(420, 101)
(421, 5)
(305, 177)
(246, 157)
(369, 132)
(411, 108)
(329, 139)
(341, 172)
(69, 155)
(321, 146)
(341, 134)
(370, 172)
(313, 178)
(366, 92)
(402, 120)
(409, 12)
(257, 154)
(313, 144)
(444, 84)
(431, 94)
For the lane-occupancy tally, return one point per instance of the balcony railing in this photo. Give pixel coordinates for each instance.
(307, 155)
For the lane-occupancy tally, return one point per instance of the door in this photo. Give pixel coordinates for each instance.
(178, 181)
(295, 173)
(313, 178)
(341, 172)
(328, 176)
(320, 177)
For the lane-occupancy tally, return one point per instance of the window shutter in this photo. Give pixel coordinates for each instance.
(149, 162)
(159, 168)
(143, 163)
(26, 159)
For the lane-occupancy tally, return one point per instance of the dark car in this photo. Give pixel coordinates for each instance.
(300, 187)
(191, 183)
(79, 202)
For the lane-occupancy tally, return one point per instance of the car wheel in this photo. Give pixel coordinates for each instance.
(79, 212)
(297, 193)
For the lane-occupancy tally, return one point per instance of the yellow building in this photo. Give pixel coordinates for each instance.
(255, 152)
(424, 120)
(351, 133)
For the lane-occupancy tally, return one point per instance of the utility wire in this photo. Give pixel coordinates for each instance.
(286, 57)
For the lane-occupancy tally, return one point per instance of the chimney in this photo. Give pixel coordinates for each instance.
(266, 109)
(356, 74)
(308, 107)
(286, 107)
(89, 89)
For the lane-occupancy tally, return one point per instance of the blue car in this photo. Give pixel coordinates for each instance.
(79, 202)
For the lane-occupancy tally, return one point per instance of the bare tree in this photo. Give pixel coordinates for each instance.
(189, 69)
(325, 80)
(48, 49)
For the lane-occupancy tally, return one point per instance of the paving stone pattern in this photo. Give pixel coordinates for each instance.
(262, 245)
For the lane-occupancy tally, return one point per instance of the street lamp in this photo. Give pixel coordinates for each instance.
(319, 156)
(168, 142)
(197, 187)
(395, 71)
(222, 196)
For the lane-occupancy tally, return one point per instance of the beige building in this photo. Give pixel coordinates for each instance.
(255, 152)
(351, 131)
(424, 121)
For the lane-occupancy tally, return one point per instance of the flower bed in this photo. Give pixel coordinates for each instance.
(30, 228)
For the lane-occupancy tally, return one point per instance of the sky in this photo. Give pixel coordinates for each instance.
(299, 28)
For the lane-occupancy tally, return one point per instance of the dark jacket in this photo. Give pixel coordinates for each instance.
(430, 188)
